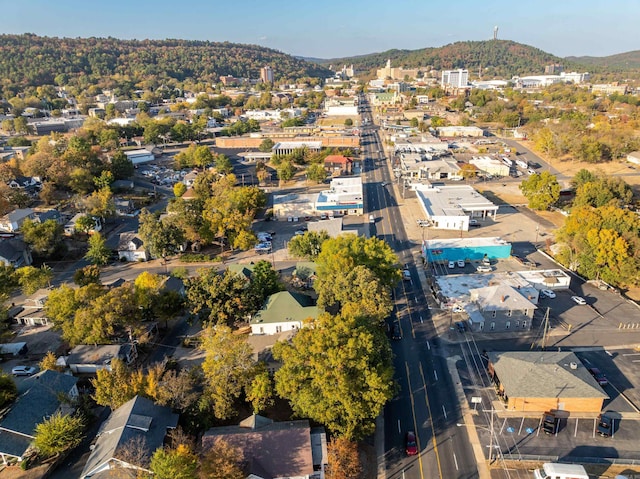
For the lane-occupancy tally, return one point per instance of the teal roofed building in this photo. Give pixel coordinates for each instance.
(283, 311)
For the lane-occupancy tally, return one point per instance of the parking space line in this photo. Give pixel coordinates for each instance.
(539, 427)
(593, 434)
(504, 423)
(521, 424)
(575, 433)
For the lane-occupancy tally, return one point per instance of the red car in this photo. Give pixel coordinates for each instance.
(410, 444)
(599, 376)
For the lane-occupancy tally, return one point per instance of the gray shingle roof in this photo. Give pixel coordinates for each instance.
(37, 400)
(544, 374)
(99, 355)
(137, 419)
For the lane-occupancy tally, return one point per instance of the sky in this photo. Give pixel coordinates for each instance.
(333, 28)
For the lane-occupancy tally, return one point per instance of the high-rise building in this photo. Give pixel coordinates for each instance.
(266, 74)
(455, 78)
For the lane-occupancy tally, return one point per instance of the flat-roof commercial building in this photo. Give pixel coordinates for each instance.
(451, 207)
(288, 147)
(139, 156)
(467, 249)
(455, 78)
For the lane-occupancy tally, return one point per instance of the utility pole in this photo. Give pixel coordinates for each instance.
(491, 439)
(546, 329)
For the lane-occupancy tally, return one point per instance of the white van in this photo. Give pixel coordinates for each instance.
(552, 470)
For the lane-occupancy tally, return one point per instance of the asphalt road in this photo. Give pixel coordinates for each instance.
(426, 402)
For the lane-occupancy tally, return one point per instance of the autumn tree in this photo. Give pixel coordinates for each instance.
(338, 372)
(316, 172)
(541, 190)
(8, 390)
(31, 279)
(162, 238)
(260, 392)
(220, 298)
(343, 459)
(58, 434)
(264, 282)
(222, 461)
(228, 368)
(88, 275)
(50, 363)
(114, 388)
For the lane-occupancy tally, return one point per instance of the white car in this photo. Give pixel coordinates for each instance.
(452, 264)
(483, 269)
(579, 300)
(548, 293)
(383, 184)
(460, 263)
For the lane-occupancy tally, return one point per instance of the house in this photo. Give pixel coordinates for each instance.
(11, 222)
(242, 270)
(39, 397)
(123, 206)
(338, 165)
(538, 381)
(131, 247)
(139, 156)
(634, 157)
(88, 359)
(14, 252)
(139, 424)
(174, 284)
(70, 226)
(275, 450)
(42, 216)
(305, 274)
(283, 311)
(28, 183)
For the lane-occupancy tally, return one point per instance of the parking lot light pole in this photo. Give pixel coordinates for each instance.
(489, 429)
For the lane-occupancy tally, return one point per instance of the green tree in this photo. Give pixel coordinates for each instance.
(31, 279)
(104, 180)
(541, 190)
(228, 368)
(179, 189)
(308, 245)
(178, 463)
(338, 372)
(50, 363)
(266, 145)
(414, 122)
(162, 238)
(114, 388)
(264, 282)
(8, 390)
(285, 171)
(316, 172)
(121, 166)
(98, 252)
(348, 122)
(85, 223)
(223, 164)
(20, 125)
(44, 238)
(88, 275)
(58, 434)
(219, 298)
(260, 392)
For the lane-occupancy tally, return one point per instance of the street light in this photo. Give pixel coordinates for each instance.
(491, 433)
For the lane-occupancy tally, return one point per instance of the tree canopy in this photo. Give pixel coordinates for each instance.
(542, 190)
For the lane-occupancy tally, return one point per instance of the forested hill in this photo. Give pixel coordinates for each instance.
(621, 61)
(502, 58)
(30, 60)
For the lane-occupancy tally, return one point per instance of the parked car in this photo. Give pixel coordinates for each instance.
(299, 232)
(605, 425)
(23, 371)
(396, 333)
(460, 263)
(550, 423)
(547, 293)
(598, 376)
(579, 300)
(410, 444)
(452, 264)
(474, 223)
(406, 274)
(484, 269)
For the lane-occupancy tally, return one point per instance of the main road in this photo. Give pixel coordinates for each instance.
(426, 402)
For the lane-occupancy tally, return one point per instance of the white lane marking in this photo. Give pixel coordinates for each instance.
(436, 376)
(455, 461)
(421, 322)
(399, 430)
(444, 411)
(428, 346)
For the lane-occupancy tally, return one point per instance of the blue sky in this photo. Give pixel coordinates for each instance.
(332, 28)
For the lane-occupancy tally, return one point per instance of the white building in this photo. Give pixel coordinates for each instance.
(575, 77)
(288, 147)
(455, 78)
(139, 156)
(490, 166)
(489, 84)
(343, 198)
(341, 107)
(452, 131)
(451, 207)
(266, 74)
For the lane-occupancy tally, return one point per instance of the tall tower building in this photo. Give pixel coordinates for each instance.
(455, 78)
(266, 74)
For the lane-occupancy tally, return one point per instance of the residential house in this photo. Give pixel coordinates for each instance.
(338, 165)
(11, 222)
(172, 283)
(42, 216)
(14, 252)
(243, 270)
(39, 397)
(139, 424)
(27, 183)
(123, 206)
(634, 157)
(88, 359)
(275, 450)
(283, 311)
(31, 313)
(538, 381)
(131, 247)
(305, 273)
(504, 308)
